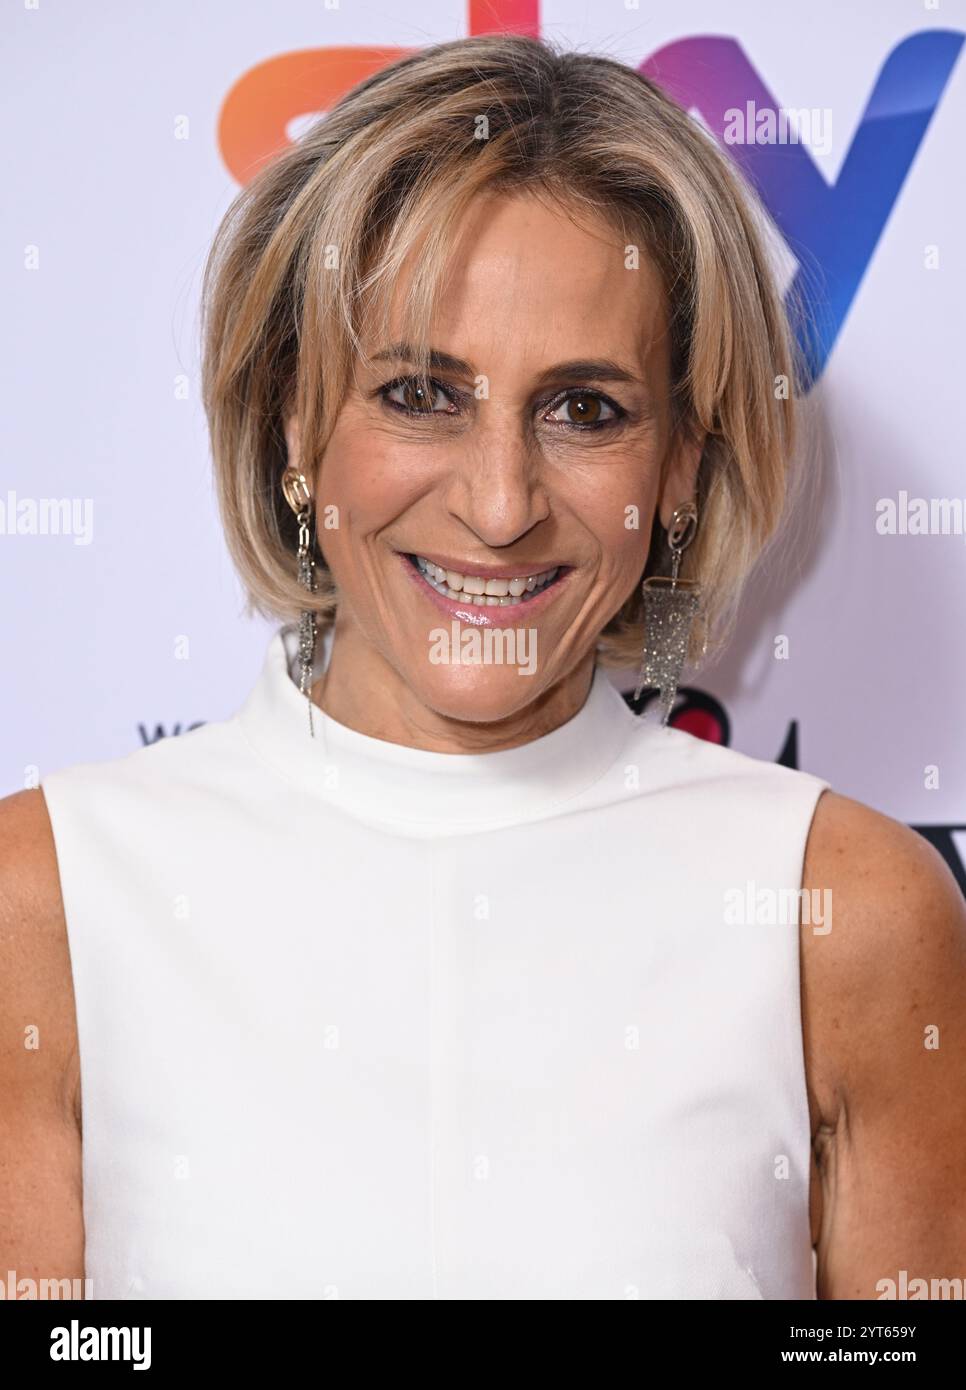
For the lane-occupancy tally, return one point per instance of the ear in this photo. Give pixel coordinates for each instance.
(293, 441)
(680, 472)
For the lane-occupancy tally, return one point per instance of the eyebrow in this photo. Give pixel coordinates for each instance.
(597, 369)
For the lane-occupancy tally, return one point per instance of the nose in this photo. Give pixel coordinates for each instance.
(497, 485)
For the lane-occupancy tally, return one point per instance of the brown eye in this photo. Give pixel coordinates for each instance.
(418, 396)
(584, 408)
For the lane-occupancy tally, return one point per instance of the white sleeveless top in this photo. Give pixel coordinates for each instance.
(363, 1021)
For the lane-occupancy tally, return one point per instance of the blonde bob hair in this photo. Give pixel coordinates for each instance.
(309, 251)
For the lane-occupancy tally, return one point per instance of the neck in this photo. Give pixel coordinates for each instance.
(390, 709)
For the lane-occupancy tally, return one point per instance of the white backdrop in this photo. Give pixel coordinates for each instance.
(115, 182)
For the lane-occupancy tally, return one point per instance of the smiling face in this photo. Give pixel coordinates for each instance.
(499, 493)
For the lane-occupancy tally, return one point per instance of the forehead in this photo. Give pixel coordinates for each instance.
(528, 282)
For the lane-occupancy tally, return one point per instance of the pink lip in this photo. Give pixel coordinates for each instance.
(490, 571)
(480, 615)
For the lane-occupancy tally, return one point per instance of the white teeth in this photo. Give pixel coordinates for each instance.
(473, 588)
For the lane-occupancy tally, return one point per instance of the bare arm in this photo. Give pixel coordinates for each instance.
(884, 996)
(41, 1212)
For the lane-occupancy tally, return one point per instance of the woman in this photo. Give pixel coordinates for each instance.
(451, 989)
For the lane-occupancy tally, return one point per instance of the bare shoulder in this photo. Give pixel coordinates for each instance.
(41, 1184)
(38, 1037)
(884, 1018)
(27, 844)
(29, 880)
(862, 849)
(893, 940)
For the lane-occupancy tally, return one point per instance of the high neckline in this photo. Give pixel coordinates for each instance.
(423, 791)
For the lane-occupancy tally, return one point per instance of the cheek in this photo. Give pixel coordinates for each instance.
(616, 505)
(369, 478)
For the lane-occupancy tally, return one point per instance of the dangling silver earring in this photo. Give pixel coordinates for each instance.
(299, 498)
(670, 605)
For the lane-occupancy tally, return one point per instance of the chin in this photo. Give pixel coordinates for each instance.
(476, 694)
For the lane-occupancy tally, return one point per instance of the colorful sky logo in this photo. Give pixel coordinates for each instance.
(831, 229)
